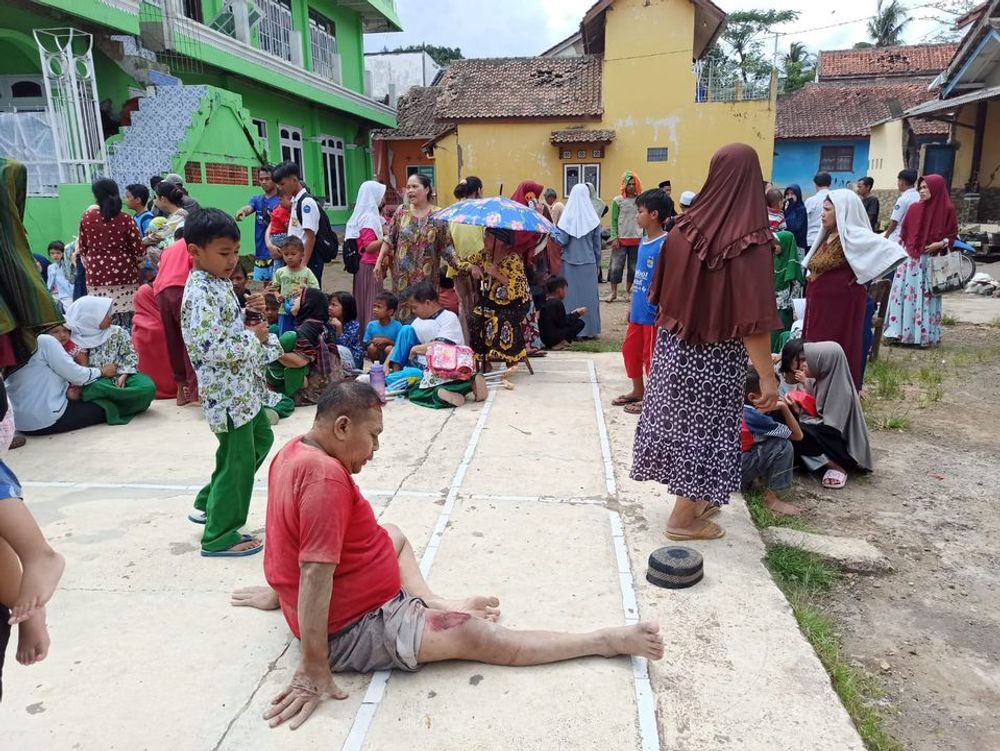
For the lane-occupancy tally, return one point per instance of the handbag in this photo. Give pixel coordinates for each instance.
(946, 272)
(352, 256)
(452, 362)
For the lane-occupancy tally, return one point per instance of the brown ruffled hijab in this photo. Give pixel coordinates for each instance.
(714, 281)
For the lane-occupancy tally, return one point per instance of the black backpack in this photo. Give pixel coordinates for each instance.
(352, 257)
(327, 244)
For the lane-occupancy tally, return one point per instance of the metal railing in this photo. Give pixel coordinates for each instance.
(715, 85)
(275, 28)
(325, 60)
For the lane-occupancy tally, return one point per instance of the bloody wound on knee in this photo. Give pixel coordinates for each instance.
(443, 621)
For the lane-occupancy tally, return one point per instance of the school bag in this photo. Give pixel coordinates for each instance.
(352, 257)
(326, 244)
(450, 361)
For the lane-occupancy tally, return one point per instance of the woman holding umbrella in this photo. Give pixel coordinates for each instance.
(414, 245)
(505, 302)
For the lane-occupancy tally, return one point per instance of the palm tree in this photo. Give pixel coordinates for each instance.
(886, 26)
(797, 53)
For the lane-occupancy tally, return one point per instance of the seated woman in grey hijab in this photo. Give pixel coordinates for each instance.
(835, 435)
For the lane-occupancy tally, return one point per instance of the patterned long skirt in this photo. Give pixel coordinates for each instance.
(496, 331)
(121, 296)
(688, 436)
(914, 314)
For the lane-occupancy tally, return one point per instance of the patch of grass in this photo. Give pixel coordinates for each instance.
(931, 381)
(888, 377)
(804, 578)
(995, 323)
(806, 572)
(949, 319)
(891, 421)
(596, 345)
(858, 690)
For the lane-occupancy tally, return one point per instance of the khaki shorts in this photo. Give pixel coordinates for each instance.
(386, 638)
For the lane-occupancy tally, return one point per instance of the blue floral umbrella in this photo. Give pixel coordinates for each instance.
(495, 213)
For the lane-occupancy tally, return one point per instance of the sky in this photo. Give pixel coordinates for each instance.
(511, 28)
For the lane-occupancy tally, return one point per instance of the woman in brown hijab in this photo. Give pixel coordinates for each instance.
(714, 288)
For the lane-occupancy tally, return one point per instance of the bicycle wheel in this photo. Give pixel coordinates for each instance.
(968, 269)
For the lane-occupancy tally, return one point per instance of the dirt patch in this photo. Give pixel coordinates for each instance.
(930, 629)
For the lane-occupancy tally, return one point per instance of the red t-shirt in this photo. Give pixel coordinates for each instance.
(280, 217)
(316, 514)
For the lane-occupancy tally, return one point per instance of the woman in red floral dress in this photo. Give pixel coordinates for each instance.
(111, 248)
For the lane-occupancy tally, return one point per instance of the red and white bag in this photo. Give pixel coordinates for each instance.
(452, 362)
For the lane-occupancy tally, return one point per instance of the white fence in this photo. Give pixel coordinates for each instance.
(714, 85)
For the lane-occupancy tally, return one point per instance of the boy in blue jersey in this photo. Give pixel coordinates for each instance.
(637, 349)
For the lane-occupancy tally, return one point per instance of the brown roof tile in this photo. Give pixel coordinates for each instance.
(843, 110)
(521, 87)
(879, 62)
(581, 135)
(416, 116)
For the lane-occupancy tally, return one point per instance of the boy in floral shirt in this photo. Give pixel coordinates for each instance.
(226, 354)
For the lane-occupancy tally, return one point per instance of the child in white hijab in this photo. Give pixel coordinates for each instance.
(89, 321)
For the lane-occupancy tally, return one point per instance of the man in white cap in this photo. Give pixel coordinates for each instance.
(687, 198)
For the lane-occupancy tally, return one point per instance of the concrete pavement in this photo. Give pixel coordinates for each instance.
(525, 497)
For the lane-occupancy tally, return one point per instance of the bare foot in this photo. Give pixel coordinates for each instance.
(487, 608)
(450, 397)
(38, 583)
(778, 506)
(262, 598)
(33, 639)
(642, 640)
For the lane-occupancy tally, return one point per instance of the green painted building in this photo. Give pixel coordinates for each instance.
(208, 89)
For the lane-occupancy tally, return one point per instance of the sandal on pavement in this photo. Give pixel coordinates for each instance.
(635, 408)
(621, 401)
(230, 553)
(709, 512)
(710, 531)
(198, 517)
(834, 479)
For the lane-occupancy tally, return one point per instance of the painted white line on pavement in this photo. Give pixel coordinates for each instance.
(645, 704)
(181, 488)
(602, 431)
(355, 740)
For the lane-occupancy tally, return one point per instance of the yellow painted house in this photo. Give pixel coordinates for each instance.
(637, 98)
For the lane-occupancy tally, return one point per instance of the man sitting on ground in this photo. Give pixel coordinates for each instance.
(433, 322)
(351, 590)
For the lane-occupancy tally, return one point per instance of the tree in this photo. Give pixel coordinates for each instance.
(743, 40)
(886, 26)
(945, 13)
(799, 66)
(441, 55)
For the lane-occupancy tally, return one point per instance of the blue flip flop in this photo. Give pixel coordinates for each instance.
(198, 517)
(233, 553)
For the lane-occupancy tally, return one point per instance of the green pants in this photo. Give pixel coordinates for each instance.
(226, 498)
(121, 403)
(288, 380)
(429, 397)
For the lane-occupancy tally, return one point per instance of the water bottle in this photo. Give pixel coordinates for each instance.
(376, 379)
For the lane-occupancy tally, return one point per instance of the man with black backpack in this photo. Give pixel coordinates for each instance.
(308, 221)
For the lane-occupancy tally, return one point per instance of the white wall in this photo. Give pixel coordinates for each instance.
(400, 69)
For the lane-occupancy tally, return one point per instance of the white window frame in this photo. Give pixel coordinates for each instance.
(261, 124)
(334, 168)
(581, 166)
(323, 47)
(8, 102)
(290, 144)
(275, 28)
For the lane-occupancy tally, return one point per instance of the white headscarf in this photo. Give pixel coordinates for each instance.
(869, 254)
(366, 213)
(579, 217)
(84, 318)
